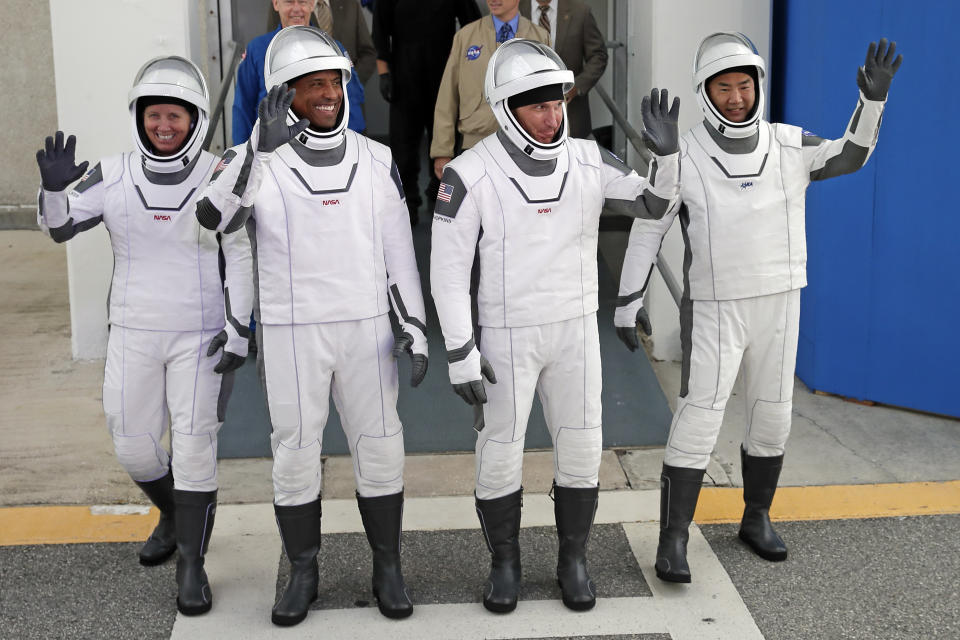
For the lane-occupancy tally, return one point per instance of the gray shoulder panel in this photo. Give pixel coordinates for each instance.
(613, 161)
(451, 194)
(92, 177)
(395, 174)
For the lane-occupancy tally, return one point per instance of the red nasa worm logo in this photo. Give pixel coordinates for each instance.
(543, 211)
(327, 203)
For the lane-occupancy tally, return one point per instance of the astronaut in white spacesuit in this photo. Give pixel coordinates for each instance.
(742, 212)
(325, 211)
(537, 195)
(169, 306)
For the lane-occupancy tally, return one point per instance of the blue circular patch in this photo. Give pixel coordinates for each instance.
(474, 52)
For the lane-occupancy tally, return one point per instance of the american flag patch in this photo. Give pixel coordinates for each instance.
(445, 193)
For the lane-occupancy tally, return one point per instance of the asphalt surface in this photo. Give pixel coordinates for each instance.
(850, 579)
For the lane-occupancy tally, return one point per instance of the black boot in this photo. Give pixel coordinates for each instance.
(574, 510)
(163, 541)
(381, 520)
(194, 523)
(760, 477)
(679, 490)
(300, 532)
(500, 522)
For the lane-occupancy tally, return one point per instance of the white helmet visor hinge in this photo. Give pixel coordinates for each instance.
(298, 51)
(720, 52)
(180, 80)
(518, 66)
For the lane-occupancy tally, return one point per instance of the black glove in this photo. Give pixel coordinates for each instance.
(386, 86)
(660, 133)
(228, 361)
(877, 72)
(57, 163)
(628, 335)
(272, 112)
(418, 361)
(473, 392)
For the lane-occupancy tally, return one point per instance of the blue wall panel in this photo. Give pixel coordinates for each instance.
(878, 317)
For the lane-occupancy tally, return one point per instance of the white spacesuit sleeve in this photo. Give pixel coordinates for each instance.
(646, 237)
(226, 203)
(64, 214)
(626, 193)
(403, 278)
(456, 227)
(831, 158)
(237, 290)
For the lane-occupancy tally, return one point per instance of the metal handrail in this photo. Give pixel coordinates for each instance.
(637, 141)
(224, 90)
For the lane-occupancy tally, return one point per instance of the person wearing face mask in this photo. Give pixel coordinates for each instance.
(742, 212)
(333, 249)
(537, 195)
(170, 306)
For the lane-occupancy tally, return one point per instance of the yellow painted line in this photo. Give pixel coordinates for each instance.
(836, 502)
(70, 525)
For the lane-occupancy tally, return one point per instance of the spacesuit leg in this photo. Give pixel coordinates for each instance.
(297, 369)
(133, 401)
(712, 338)
(196, 396)
(515, 356)
(365, 388)
(768, 370)
(569, 390)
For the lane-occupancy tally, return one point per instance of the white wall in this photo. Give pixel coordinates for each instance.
(97, 49)
(664, 35)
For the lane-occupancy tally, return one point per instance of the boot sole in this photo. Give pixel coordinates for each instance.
(772, 556)
(152, 561)
(393, 614)
(496, 607)
(673, 577)
(289, 621)
(194, 611)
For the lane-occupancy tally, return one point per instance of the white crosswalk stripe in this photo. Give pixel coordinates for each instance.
(245, 554)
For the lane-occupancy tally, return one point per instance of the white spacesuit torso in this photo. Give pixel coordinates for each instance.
(320, 234)
(744, 216)
(166, 274)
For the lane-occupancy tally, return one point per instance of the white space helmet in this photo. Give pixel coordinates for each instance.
(518, 66)
(297, 51)
(717, 53)
(180, 80)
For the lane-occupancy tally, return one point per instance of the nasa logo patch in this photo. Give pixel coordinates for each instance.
(474, 51)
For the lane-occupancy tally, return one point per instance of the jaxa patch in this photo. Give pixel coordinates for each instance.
(474, 51)
(746, 185)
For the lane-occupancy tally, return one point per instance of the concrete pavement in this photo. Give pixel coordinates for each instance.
(846, 577)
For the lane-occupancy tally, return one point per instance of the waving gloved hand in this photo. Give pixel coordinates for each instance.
(418, 361)
(272, 112)
(234, 350)
(57, 163)
(628, 334)
(877, 72)
(661, 134)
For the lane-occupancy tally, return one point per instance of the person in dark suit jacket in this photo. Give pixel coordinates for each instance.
(579, 43)
(413, 39)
